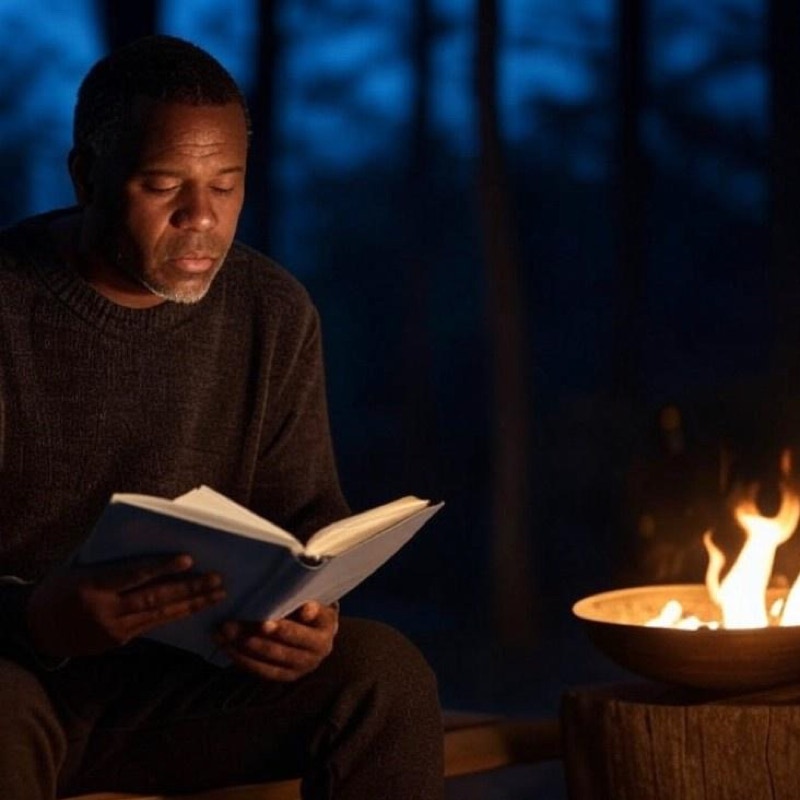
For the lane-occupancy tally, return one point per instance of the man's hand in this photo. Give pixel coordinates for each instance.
(85, 610)
(282, 650)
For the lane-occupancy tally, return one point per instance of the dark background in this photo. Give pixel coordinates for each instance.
(530, 226)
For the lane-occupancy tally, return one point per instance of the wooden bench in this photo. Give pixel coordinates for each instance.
(473, 743)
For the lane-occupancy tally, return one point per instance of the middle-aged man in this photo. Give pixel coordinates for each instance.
(143, 350)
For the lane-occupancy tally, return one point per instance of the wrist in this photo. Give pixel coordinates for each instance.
(23, 634)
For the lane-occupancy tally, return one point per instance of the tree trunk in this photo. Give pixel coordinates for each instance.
(418, 422)
(784, 178)
(259, 210)
(512, 590)
(631, 200)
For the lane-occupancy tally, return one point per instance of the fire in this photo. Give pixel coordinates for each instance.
(741, 595)
(672, 616)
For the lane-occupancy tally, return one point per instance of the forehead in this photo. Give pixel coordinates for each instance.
(161, 130)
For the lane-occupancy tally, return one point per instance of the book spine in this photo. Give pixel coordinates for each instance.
(268, 600)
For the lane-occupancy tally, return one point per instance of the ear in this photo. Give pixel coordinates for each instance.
(80, 163)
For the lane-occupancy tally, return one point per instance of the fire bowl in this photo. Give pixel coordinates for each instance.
(726, 660)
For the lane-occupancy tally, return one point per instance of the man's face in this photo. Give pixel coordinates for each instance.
(163, 207)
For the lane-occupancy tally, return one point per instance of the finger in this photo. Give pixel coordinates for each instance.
(316, 614)
(266, 671)
(308, 613)
(269, 639)
(319, 614)
(170, 599)
(140, 622)
(157, 597)
(127, 575)
(165, 590)
(251, 639)
(232, 630)
(302, 654)
(299, 635)
(316, 633)
(267, 653)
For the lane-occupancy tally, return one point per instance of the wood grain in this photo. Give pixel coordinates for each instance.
(647, 742)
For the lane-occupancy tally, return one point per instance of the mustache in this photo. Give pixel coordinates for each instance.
(196, 246)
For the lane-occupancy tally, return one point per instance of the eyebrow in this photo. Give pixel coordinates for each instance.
(154, 172)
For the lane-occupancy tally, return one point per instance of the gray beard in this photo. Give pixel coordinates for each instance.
(173, 295)
(165, 293)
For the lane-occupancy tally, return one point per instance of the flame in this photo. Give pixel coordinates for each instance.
(742, 595)
(791, 607)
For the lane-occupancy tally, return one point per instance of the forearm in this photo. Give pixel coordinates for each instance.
(14, 640)
(14, 595)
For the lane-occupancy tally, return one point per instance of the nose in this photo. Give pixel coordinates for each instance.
(194, 210)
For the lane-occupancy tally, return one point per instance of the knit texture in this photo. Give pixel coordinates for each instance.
(97, 398)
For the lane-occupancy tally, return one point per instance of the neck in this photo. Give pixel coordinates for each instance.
(74, 245)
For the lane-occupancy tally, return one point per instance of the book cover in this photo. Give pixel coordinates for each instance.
(267, 573)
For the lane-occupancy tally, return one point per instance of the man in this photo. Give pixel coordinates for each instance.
(144, 350)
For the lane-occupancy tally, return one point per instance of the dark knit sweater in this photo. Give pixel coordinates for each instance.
(97, 398)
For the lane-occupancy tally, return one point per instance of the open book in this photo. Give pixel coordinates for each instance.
(267, 572)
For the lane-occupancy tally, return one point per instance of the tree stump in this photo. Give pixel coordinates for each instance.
(652, 742)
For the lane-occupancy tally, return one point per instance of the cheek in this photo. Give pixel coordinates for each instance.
(229, 218)
(145, 226)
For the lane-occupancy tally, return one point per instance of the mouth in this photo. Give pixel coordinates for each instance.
(193, 262)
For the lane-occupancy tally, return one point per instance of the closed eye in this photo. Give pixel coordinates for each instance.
(160, 189)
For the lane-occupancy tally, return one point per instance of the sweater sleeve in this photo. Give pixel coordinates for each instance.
(297, 483)
(14, 640)
(14, 595)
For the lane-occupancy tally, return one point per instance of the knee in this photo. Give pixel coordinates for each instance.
(389, 668)
(382, 734)
(22, 696)
(27, 713)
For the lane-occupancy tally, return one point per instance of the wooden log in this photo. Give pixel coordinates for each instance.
(651, 742)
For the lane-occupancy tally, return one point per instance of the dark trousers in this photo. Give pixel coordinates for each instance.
(145, 718)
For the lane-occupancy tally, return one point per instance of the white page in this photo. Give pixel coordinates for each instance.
(207, 499)
(241, 522)
(339, 575)
(337, 537)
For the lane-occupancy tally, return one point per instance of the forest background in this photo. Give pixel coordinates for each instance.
(530, 226)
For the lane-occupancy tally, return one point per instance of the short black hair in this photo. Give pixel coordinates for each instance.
(162, 68)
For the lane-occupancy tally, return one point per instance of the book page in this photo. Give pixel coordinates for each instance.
(337, 576)
(340, 536)
(206, 498)
(207, 507)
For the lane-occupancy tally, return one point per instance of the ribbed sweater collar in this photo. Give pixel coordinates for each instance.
(93, 308)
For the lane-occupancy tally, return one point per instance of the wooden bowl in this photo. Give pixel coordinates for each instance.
(729, 660)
